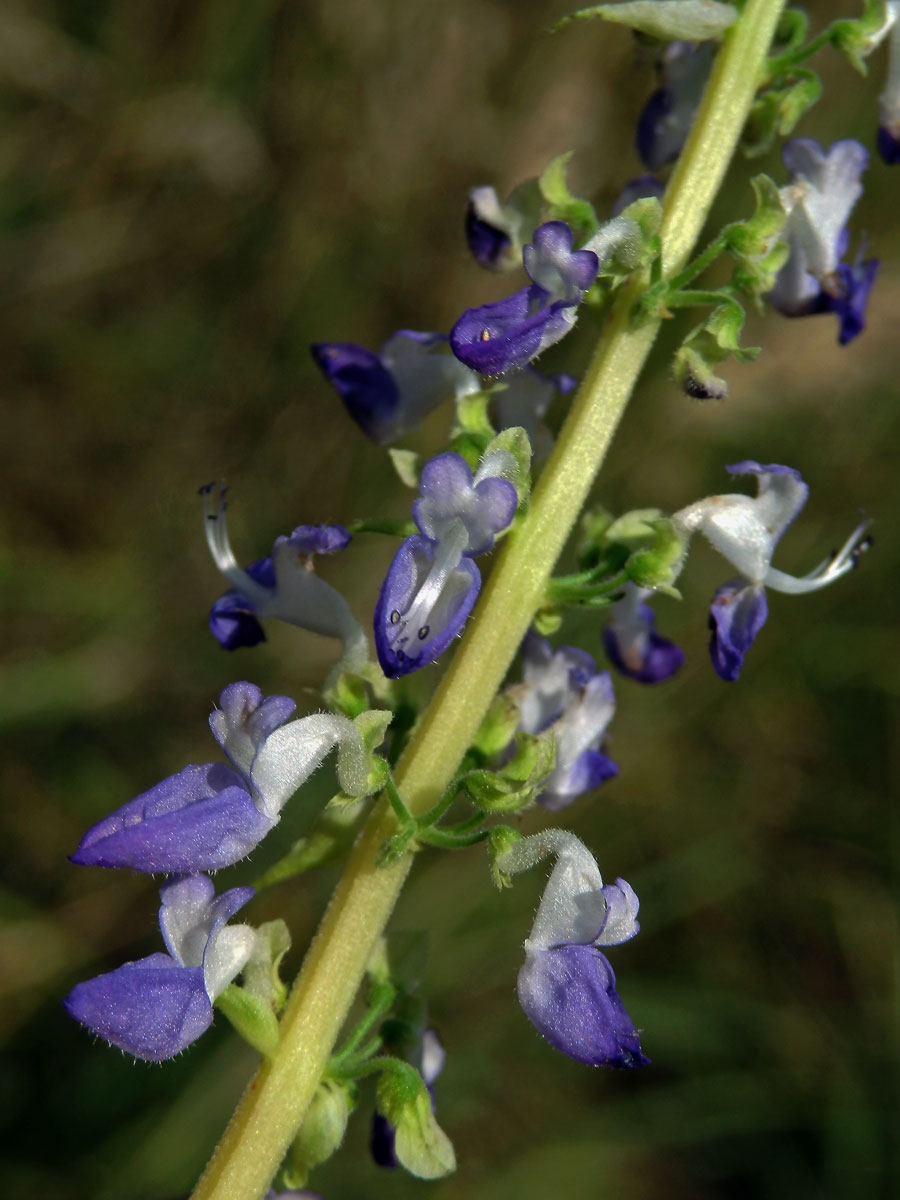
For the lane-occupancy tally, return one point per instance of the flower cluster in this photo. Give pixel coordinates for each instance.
(543, 740)
(433, 582)
(202, 819)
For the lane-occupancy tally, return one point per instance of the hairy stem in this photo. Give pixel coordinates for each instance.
(273, 1105)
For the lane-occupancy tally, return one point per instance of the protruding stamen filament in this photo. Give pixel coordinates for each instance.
(216, 529)
(832, 568)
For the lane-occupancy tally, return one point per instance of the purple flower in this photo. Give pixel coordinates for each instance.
(819, 199)
(668, 115)
(746, 530)
(423, 604)
(157, 1006)
(430, 1062)
(889, 100)
(208, 817)
(566, 985)
(432, 583)
(504, 336)
(563, 691)
(495, 231)
(389, 393)
(549, 681)
(632, 643)
(283, 587)
(736, 615)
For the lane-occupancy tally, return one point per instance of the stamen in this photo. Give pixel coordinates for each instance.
(836, 565)
(216, 529)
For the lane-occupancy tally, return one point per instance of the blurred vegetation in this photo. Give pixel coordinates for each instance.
(190, 194)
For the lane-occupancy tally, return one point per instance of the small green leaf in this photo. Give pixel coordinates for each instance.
(500, 840)
(252, 1017)
(372, 726)
(753, 237)
(472, 414)
(261, 975)
(578, 214)
(547, 620)
(709, 343)
(514, 442)
(470, 447)
(856, 39)
(658, 565)
(633, 528)
(515, 785)
(348, 694)
(778, 109)
(667, 20)
(498, 727)
(321, 1132)
(407, 464)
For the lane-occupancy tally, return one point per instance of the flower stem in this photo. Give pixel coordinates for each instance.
(273, 1106)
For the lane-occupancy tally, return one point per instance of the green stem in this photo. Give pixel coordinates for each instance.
(782, 64)
(402, 812)
(680, 281)
(434, 814)
(384, 996)
(274, 1103)
(693, 299)
(447, 839)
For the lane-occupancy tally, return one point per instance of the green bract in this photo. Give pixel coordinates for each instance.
(407, 464)
(322, 1131)
(658, 564)
(561, 205)
(498, 727)
(515, 443)
(667, 20)
(517, 784)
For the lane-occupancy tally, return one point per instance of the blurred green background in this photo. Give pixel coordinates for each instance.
(190, 194)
